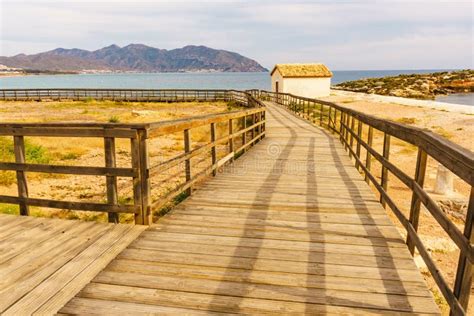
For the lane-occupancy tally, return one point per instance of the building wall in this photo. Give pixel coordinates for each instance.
(305, 87)
(308, 87)
(277, 77)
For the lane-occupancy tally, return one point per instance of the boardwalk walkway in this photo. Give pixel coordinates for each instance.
(44, 261)
(291, 227)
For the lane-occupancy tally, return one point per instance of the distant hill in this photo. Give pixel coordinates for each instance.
(136, 57)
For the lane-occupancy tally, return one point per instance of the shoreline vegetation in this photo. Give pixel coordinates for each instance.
(415, 86)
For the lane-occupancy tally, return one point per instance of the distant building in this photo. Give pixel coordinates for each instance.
(307, 80)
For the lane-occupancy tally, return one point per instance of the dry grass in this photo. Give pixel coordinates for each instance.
(303, 70)
(90, 151)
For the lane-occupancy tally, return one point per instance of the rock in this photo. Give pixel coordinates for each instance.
(425, 86)
(455, 207)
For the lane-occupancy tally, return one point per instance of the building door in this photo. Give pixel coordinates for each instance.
(277, 88)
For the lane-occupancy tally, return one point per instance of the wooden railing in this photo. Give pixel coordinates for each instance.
(348, 125)
(241, 124)
(138, 95)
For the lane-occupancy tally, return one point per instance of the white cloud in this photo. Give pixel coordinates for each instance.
(345, 34)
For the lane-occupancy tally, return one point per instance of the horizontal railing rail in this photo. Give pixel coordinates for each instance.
(348, 124)
(139, 95)
(248, 122)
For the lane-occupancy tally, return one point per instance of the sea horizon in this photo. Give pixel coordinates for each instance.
(261, 80)
(192, 80)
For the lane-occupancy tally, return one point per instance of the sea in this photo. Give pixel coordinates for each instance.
(226, 80)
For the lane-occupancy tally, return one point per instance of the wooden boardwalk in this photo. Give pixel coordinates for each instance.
(44, 262)
(289, 228)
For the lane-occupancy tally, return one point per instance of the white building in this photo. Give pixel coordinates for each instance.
(307, 80)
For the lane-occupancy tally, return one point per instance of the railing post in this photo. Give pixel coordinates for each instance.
(346, 131)
(137, 189)
(244, 134)
(329, 118)
(463, 282)
(187, 149)
(415, 201)
(351, 142)
(231, 137)
(253, 128)
(384, 176)
(368, 157)
(321, 115)
(341, 126)
(111, 181)
(213, 148)
(19, 149)
(144, 177)
(359, 135)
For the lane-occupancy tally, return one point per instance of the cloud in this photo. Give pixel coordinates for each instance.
(344, 34)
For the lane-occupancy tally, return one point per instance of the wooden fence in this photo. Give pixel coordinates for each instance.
(348, 125)
(132, 95)
(250, 128)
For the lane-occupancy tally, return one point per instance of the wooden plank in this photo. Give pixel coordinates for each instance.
(213, 148)
(60, 287)
(302, 281)
(87, 306)
(385, 232)
(264, 291)
(78, 170)
(187, 168)
(19, 149)
(325, 247)
(29, 238)
(415, 201)
(24, 273)
(410, 275)
(70, 205)
(463, 282)
(111, 181)
(242, 251)
(211, 303)
(384, 175)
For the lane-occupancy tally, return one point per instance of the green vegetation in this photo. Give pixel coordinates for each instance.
(176, 200)
(9, 209)
(417, 86)
(33, 153)
(114, 119)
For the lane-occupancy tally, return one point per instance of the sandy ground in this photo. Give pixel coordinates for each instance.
(455, 126)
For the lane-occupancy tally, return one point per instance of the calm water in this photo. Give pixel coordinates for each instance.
(177, 80)
(181, 80)
(457, 98)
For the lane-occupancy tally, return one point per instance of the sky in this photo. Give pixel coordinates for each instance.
(345, 35)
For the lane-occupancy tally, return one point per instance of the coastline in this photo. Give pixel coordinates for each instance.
(442, 106)
(13, 75)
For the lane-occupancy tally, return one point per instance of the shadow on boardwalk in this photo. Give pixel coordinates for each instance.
(315, 273)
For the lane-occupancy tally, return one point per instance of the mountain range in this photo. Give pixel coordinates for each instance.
(135, 58)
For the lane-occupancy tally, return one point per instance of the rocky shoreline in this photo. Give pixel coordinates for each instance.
(416, 86)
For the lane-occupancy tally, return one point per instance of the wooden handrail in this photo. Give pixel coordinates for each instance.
(140, 171)
(454, 157)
